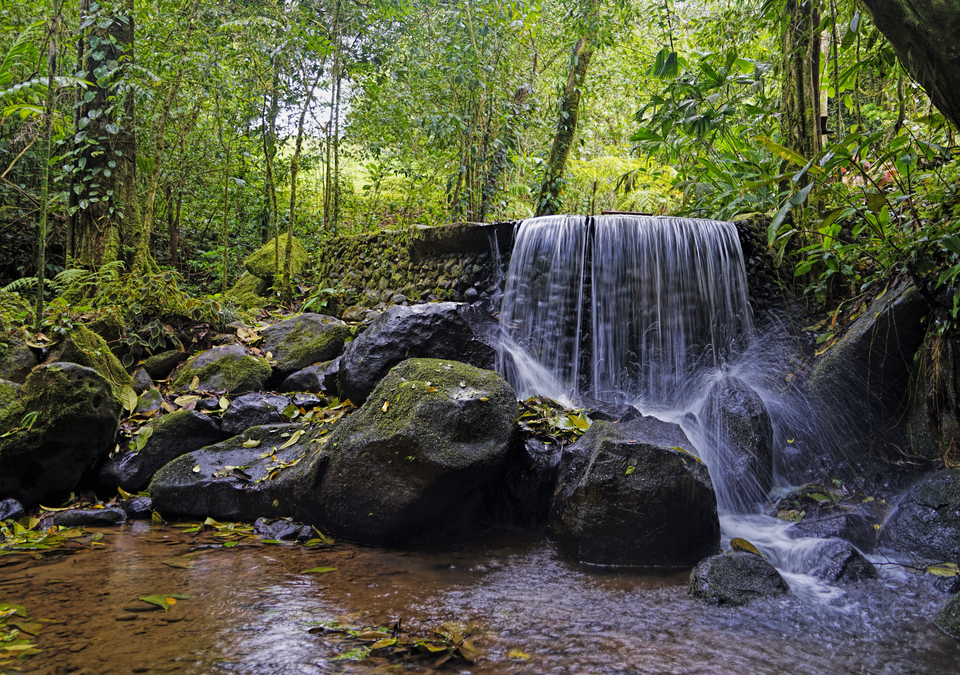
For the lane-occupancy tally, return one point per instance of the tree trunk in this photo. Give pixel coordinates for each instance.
(800, 105)
(551, 188)
(108, 212)
(924, 36)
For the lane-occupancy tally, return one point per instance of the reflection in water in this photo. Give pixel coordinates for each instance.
(251, 607)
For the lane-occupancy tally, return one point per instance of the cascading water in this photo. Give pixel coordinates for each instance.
(623, 309)
(651, 312)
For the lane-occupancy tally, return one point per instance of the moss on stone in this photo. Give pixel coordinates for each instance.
(11, 412)
(249, 291)
(16, 360)
(227, 368)
(261, 263)
(84, 347)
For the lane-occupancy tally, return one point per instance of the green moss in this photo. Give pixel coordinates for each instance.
(249, 290)
(84, 347)
(261, 263)
(227, 368)
(11, 411)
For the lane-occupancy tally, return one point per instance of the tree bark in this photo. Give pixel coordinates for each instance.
(800, 104)
(924, 37)
(551, 188)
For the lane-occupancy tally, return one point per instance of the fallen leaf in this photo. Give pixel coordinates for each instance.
(195, 383)
(196, 469)
(319, 570)
(738, 544)
(251, 443)
(386, 404)
(129, 398)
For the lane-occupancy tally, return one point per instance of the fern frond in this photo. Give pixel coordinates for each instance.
(20, 284)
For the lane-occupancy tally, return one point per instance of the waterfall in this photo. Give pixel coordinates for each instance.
(624, 309)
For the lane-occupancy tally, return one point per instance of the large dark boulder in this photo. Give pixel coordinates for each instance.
(948, 618)
(866, 386)
(417, 457)
(733, 580)
(445, 330)
(304, 340)
(852, 527)
(84, 347)
(529, 478)
(926, 522)
(172, 435)
(739, 433)
(228, 368)
(311, 378)
(11, 410)
(246, 477)
(624, 499)
(76, 422)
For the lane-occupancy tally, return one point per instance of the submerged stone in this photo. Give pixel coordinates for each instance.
(733, 580)
(418, 455)
(840, 561)
(623, 499)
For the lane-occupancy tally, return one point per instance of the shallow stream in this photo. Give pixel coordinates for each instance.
(528, 610)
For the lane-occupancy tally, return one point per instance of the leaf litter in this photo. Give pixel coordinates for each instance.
(450, 643)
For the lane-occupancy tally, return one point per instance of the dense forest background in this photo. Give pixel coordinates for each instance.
(168, 139)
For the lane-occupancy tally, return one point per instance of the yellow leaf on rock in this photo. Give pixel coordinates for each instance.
(386, 404)
(251, 443)
(738, 544)
(195, 383)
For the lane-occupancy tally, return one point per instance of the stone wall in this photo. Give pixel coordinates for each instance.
(419, 264)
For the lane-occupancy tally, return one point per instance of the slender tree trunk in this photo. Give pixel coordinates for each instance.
(800, 103)
(294, 168)
(551, 189)
(45, 165)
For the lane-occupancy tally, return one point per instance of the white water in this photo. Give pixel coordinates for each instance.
(651, 312)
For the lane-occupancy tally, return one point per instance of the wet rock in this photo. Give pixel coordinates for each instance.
(528, 481)
(733, 580)
(252, 410)
(948, 618)
(89, 517)
(852, 527)
(231, 482)
(735, 421)
(172, 435)
(309, 379)
(228, 368)
(76, 421)
(283, 530)
(304, 340)
(160, 365)
(446, 330)
(949, 585)
(418, 455)
(17, 359)
(84, 347)
(926, 522)
(141, 381)
(865, 381)
(149, 401)
(840, 561)
(624, 499)
(137, 508)
(11, 509)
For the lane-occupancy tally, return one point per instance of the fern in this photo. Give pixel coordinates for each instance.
(20, 284)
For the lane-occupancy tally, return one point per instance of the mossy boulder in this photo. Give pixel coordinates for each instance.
(948, 618)
(261, 263)
(11, 411)
(159, 365)
(249, 291)
(232, 481)
(228, 368)
(623, 498)
(418, 456)
(84, 347)
(304, 340)
(926, 522)
(171, 436)
(446, 330)
(733, 580)
(17, 359)
(76, 422)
